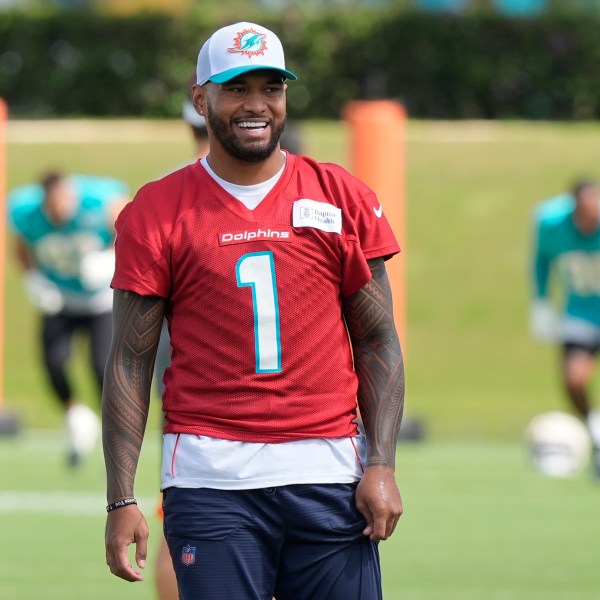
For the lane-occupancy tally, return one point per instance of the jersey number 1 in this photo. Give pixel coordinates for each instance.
(257, 271)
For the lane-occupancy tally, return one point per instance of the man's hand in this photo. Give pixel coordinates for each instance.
(97, 269)
(43, 293)
(126, 526)
(378, 499)
(543, 321)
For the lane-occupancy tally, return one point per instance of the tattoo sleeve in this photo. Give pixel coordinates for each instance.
(137, 322)
(378, 364)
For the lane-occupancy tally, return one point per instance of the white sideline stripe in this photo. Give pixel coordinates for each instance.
(61, 502)
(54, 440)
(85, 131)
(80, 131)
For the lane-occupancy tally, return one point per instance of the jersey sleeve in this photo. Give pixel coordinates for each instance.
(368, 235)
(545, 218)
(373, 229)
(141, 248)
(540, 267)
(21, 204)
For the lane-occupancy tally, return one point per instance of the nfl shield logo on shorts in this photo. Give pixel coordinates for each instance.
(188, 555)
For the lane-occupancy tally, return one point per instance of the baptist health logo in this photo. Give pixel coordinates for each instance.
(323, 217)
(318, 215)
(249, 42)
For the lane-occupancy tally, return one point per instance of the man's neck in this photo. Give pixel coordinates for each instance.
(245, 173)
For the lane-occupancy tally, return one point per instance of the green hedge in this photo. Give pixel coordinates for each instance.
(478, 66)
(76, 63)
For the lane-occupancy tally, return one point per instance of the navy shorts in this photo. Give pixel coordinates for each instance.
(295, 542)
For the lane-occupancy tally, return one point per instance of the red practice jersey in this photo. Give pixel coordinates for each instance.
(260, 352)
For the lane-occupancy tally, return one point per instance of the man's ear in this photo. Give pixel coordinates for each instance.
(199, 98)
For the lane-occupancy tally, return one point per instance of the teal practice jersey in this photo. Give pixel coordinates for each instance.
(561, 250)
(59, 249)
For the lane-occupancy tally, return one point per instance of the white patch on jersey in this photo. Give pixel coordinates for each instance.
(378, 211)
(319, 215)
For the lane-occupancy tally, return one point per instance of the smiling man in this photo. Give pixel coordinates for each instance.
(270, 269)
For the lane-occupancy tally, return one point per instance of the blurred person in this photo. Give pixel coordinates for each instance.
(270, 269)
(567, 251)
(291, 138)
(197, 126)
(165, 581)
(64, 234)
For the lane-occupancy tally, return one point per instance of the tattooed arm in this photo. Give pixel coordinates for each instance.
(380, 369)
(137, 322)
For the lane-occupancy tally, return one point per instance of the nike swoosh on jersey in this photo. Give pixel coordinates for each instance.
(378, 211)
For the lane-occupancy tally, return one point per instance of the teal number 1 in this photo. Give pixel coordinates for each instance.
(257, 271)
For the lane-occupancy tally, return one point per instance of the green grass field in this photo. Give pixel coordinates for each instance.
(472, 368)
(479, 524)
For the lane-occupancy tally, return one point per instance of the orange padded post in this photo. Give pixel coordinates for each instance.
(377, 129)
(9, 422)
(3, 188)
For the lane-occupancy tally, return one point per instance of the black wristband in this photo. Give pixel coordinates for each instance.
(120, 504)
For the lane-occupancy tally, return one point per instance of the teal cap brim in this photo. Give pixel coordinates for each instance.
(226, 76)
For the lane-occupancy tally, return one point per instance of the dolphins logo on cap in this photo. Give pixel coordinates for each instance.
(249, 42)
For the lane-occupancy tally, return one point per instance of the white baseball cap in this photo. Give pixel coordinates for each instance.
(237, 49)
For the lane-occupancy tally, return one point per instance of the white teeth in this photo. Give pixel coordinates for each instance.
(251, 125)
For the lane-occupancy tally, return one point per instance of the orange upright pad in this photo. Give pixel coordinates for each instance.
(377, 132)
(3, 188)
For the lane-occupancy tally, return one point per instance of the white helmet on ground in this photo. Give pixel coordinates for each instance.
(559, 444)
(83, 430)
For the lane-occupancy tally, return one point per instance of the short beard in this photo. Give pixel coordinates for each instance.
(249, 154)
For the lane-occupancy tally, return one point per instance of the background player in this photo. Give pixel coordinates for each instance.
(64, 233)
(567, 246)
(166, 583)
(197, 125)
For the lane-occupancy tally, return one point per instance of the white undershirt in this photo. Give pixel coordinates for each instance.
(193, 461)
(249, 195)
